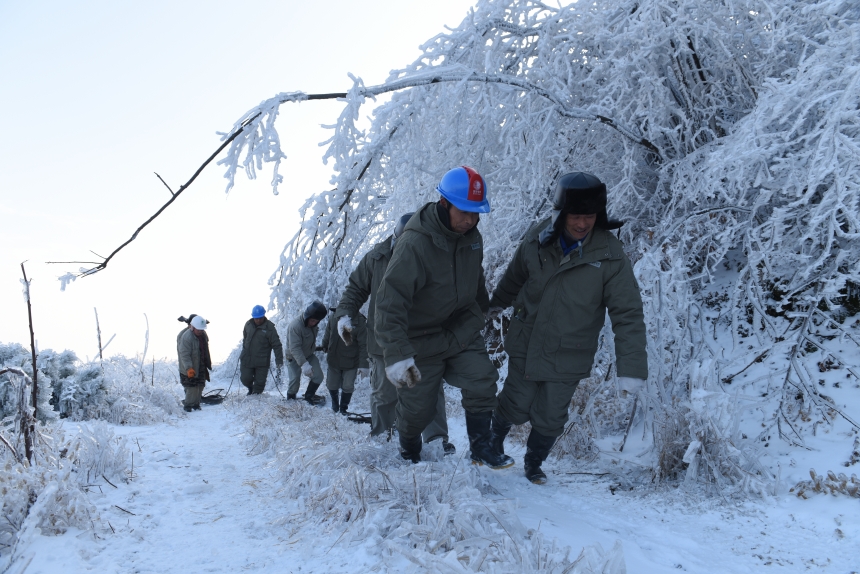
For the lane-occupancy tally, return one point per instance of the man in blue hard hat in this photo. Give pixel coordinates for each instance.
(430, 313)
(260, 339)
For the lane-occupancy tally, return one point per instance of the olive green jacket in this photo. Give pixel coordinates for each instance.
(258, 344)
(188, 350)
(340, 355)
(567, 298)
(433, 283)
(301, 340)
(363, 285)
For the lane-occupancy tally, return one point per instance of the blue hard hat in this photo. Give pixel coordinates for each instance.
(258, 312)
(465, 189)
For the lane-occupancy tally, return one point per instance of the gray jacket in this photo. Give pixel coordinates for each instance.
(301, 340)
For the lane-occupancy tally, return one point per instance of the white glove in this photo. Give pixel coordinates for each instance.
(344, 329)
(403, 373)
(308, 370)
(363, 372)
(629, 385)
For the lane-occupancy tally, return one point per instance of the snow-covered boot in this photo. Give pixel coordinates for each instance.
(344, 402)
(448, 448)
(334, 402)
(480, 441)
(500, 428)
(537, 449)
(410, 449)
(311, 396)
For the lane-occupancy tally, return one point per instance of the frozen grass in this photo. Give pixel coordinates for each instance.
(440, 515)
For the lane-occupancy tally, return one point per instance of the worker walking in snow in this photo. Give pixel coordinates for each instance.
(566, 274)
(345, 362)
(301, 344)
(363, 285)
(192, 347)
(430, 313)
(259, 339)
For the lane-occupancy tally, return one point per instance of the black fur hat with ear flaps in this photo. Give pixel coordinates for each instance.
(578, 193)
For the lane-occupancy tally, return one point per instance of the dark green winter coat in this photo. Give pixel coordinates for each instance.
(434, 283)
(258, 344)
(363, 285)
(560, 304)
(301, 340)
(342, 356)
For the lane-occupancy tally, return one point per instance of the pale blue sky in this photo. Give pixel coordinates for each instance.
(95, 96)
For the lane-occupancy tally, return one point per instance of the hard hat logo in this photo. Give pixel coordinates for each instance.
(465, 189)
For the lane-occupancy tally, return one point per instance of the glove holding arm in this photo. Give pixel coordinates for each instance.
(403, 373)
(344, 329)
(629, 385)
(308, 370)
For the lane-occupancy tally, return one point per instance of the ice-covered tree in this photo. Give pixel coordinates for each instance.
(727, 133)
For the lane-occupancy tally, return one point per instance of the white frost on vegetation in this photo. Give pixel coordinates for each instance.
(728, 135)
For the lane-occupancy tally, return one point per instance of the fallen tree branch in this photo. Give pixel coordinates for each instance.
(445, 75)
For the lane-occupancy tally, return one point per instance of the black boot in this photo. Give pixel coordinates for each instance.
(448, 448)
(410, 449)
(344, 402)
(537, 449)
(291, 397)
(187, 409)
(311, 396)
(334, 401)
(500, 428)
(480, 443)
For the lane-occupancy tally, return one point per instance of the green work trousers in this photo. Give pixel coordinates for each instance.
(254, 378)
(544, 404)
(383, 402)
(466, 367)
(341, 379)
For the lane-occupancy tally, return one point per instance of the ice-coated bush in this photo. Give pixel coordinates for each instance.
(49, 494)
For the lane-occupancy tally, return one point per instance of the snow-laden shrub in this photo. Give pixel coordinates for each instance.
(81, 393)
(436, 515)
(51, 366)
(49, 494)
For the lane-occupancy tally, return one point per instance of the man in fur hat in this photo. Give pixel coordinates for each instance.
(566, 274)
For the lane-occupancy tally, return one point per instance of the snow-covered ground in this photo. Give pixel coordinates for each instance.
(206, 497)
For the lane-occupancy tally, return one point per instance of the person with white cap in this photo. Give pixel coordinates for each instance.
(192, 346)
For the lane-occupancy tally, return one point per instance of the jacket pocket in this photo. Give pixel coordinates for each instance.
(429, 345)
(575, 356)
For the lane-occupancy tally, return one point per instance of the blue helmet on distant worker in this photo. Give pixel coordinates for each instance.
(258, 312)
(465, 189)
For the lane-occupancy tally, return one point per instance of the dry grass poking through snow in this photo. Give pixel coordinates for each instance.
(441, 515)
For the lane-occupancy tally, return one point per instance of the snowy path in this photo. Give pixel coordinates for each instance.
(199, 502)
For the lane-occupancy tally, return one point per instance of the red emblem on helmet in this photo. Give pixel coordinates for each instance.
(476, 185)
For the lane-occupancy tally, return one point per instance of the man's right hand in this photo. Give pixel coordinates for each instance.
(403, 373)
(191, 373)
(308, 370)
(344, 329)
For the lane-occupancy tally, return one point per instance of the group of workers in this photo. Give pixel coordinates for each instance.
(428, 306)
